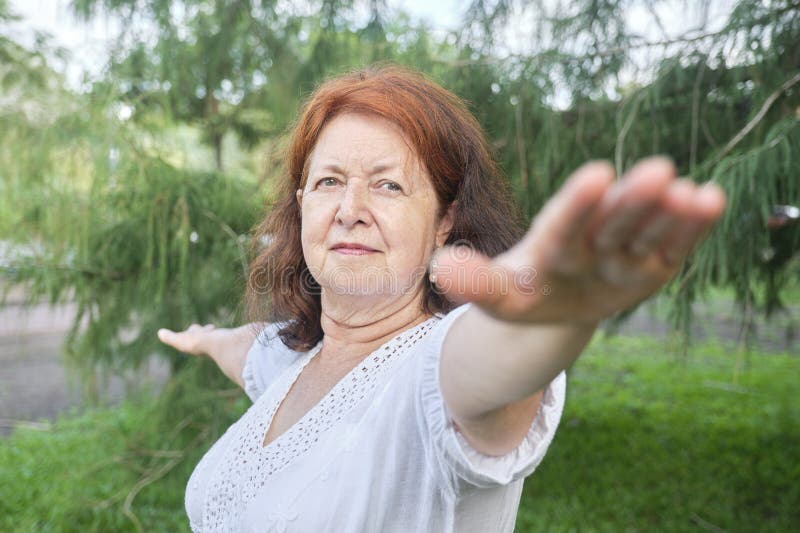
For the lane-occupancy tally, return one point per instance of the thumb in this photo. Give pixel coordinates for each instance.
(165, 335)
(179, 341)
(463, 274)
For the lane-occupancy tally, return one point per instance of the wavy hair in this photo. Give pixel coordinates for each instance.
(446, 138)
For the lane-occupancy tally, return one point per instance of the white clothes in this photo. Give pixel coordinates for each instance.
(379, 453)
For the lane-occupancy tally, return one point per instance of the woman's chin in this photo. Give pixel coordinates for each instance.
(368, 288)
(357, 278)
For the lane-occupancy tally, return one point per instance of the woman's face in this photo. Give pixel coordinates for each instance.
(369, 211)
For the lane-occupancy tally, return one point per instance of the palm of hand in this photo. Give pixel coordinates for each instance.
(596, 248)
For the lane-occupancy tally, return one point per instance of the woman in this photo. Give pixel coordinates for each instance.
(378, 404)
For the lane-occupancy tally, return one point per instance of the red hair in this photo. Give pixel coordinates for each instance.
(447, 139)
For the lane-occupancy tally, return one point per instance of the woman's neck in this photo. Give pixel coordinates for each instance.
(352, 330)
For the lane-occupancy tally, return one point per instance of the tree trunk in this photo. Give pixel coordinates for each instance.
(218, 151)
(213, 123)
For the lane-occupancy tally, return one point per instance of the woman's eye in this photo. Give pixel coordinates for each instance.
(327, 182)
(391, 186)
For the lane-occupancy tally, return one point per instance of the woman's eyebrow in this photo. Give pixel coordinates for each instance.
(382, 167)
(377, 169)
(332, 167)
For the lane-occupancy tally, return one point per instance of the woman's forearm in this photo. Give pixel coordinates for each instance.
(228, 348)
(490, 366)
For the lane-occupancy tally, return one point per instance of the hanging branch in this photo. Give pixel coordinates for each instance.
(522, 154)
(695, 115)
(234, 237)
(600, 54)
(756, 119)
(618, 163)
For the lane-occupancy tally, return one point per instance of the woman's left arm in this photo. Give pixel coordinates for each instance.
(598, 247)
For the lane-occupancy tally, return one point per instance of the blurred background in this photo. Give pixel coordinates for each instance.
(140, 142)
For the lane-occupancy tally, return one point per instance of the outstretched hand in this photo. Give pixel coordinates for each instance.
(194, 340)
(599, 246)
(226, 347)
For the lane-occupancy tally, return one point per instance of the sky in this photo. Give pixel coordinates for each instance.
(88, 43)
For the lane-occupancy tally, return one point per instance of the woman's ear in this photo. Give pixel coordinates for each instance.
(299, 196)
(445, 225)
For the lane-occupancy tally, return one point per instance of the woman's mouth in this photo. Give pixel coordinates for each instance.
(349, 248)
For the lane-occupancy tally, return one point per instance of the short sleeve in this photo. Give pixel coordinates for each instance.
(459, 462)
(267, 357)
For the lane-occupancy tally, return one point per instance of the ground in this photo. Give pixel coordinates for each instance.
(35, 384)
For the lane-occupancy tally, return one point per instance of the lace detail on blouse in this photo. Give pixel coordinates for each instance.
(247, 464)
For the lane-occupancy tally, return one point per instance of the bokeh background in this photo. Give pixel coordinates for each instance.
(140, 142)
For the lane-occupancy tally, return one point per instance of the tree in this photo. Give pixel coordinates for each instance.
(104, 212)
(124, 224)
(203, 61)
(722, 101)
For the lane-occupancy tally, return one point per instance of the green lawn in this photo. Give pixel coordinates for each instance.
(648, 441)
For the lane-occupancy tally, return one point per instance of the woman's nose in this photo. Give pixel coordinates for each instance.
(354, 205)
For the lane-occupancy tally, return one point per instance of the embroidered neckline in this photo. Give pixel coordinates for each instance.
(247, 463)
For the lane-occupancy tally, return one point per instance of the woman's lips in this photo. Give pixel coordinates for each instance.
(353, 249)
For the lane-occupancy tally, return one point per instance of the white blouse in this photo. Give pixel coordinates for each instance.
(378, 453)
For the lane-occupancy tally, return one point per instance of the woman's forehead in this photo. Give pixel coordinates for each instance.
(362, 143)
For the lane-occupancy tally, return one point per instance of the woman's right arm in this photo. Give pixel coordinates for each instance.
(227, 347)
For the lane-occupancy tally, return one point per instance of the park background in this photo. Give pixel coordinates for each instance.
(132, 174)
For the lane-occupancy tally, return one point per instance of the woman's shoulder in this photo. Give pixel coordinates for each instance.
(447, 318)
(267, 358)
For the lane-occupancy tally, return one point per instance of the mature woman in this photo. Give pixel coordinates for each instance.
(380, 404)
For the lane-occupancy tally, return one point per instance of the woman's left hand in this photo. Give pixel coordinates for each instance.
(599, 246)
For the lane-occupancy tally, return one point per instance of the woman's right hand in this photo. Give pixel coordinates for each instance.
(225, 346)
(194, 340)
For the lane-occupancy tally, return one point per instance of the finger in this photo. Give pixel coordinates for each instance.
(628, 203)
(706, 208)
(167, 336)
(558, 238)
(565, 216)
(648, 238)
(683, 241)
(709, 204)
(181, 341)
(664, 220)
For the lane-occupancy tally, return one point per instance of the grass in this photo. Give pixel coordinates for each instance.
(77, 477)
(648, 441)
(115, 469)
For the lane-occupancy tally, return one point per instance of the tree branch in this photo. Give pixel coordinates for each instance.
(618, 150)
(794, 80)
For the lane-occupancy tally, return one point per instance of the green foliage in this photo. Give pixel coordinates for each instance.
(722, 103)
(210, 62)
(647, 441)
(120, 469)
(106, 207)
(21, 69)
(104, 213)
